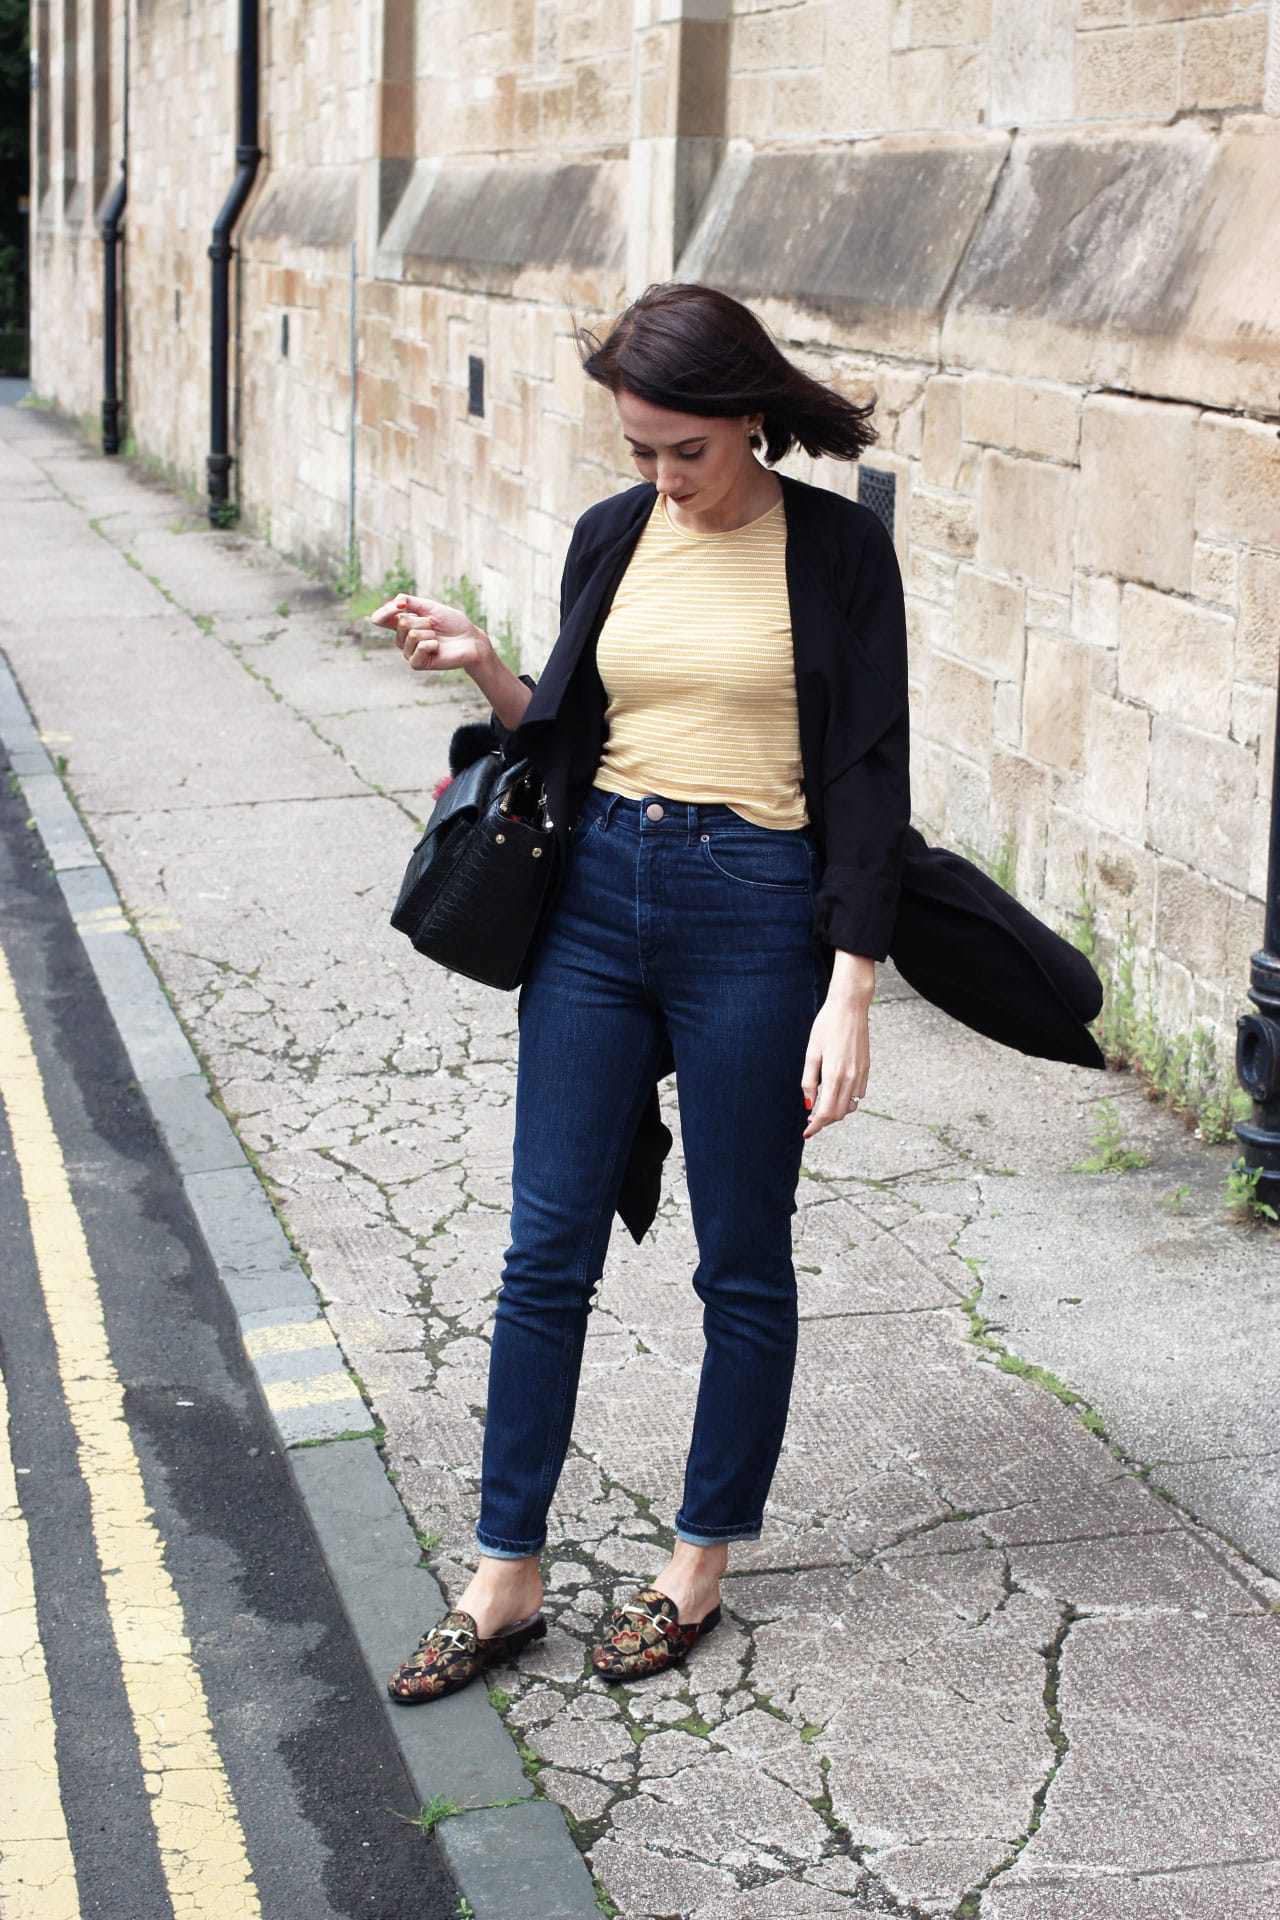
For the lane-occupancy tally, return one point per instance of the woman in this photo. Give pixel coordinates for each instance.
(723, 721)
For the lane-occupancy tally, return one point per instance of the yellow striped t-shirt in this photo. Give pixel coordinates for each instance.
(697, 664)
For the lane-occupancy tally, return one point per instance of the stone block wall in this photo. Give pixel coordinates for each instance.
(1040, 231)
(857, 69)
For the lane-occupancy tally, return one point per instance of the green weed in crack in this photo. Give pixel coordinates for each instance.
(1241, 1198)
(980, 1335)
(1110, 1154)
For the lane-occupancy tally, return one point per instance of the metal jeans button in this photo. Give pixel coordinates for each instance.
(654, 811)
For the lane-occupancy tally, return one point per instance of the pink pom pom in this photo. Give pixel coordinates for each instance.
(440, 786)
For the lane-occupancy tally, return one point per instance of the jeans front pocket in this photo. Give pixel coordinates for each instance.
(764, 861)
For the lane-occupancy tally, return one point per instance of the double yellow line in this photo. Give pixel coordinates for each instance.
(201, 1844)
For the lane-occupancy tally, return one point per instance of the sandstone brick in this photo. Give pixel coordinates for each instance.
(1191, 918)
(1118, 764)
(1260, 836)
(1055, 701)
(918, 81)
(944, 23)
(1104, 671)
(856, 81)
(1147, 12)
(1243, 937)
(1176, 657)
(940, 447)
(1128, 73)
(943, 522)
(1215, 573)
(1070, 846)
(906, 429)
(989, 624)
(1019, 795)
(1202, 791)
(783, 38)
(1049, 610)
(929, 780)
(1007, 713)
(1224, 62)
(1025, 520)
(1102, 13)
(1258, 634)
(968, 468)
(1253, 718)
(989, 408)
(795, 104)
(966, 86)
(1046, 420)
(959, 707)
(1032, 48)
(967, 812)
(928, 630)
(1124, 882)
(747, 108)
(1095, 609)
(931, 576)
(1238, 481)
(567, 377)
(1138, 490)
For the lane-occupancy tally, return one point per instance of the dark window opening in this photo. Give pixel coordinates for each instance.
(475, 385)
(877, 490)
(284, 336)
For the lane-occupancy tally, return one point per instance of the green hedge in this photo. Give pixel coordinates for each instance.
(13, 350)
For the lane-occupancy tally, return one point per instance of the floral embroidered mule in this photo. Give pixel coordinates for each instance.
(453, 1653)
(646, 1636)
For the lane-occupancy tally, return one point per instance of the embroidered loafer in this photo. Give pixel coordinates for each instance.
(452, 1653)
(646, 1636)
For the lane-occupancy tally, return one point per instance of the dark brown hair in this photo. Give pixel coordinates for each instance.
(695, 350)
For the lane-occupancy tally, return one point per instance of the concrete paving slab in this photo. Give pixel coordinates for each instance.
(1240, 1497)
(405, 748)
(209, 571)
(316, 667)
(1246, 1892)
(158, 684)
(1127, 1801)
(1171, 1395)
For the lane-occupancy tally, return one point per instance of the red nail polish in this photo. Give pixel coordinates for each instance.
(808, 1104)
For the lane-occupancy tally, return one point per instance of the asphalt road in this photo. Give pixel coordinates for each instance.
(219, 1745)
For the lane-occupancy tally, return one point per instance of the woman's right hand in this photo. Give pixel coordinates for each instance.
(432, 637)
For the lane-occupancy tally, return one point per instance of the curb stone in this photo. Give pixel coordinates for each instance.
(511, 1854)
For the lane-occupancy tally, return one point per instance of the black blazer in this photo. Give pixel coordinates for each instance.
(953, 934)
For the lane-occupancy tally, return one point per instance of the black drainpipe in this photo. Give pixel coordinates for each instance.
(110, 229)
(248, 154)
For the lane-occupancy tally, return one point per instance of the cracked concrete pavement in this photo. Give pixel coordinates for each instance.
(982, 1662)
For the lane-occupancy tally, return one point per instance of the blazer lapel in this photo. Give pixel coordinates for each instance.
(582, 626)
(846, 703)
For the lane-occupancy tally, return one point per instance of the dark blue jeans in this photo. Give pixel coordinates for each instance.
(688, 919)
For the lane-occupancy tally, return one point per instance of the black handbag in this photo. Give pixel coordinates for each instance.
(480, 878)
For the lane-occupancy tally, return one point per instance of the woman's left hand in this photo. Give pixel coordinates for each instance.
(839, 1056)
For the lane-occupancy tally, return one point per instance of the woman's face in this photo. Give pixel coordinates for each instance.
(696, 461)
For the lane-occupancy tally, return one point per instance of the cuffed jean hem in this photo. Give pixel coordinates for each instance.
(506, 1551)
(721, 1538)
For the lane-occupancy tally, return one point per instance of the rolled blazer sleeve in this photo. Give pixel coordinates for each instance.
(866, 800)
